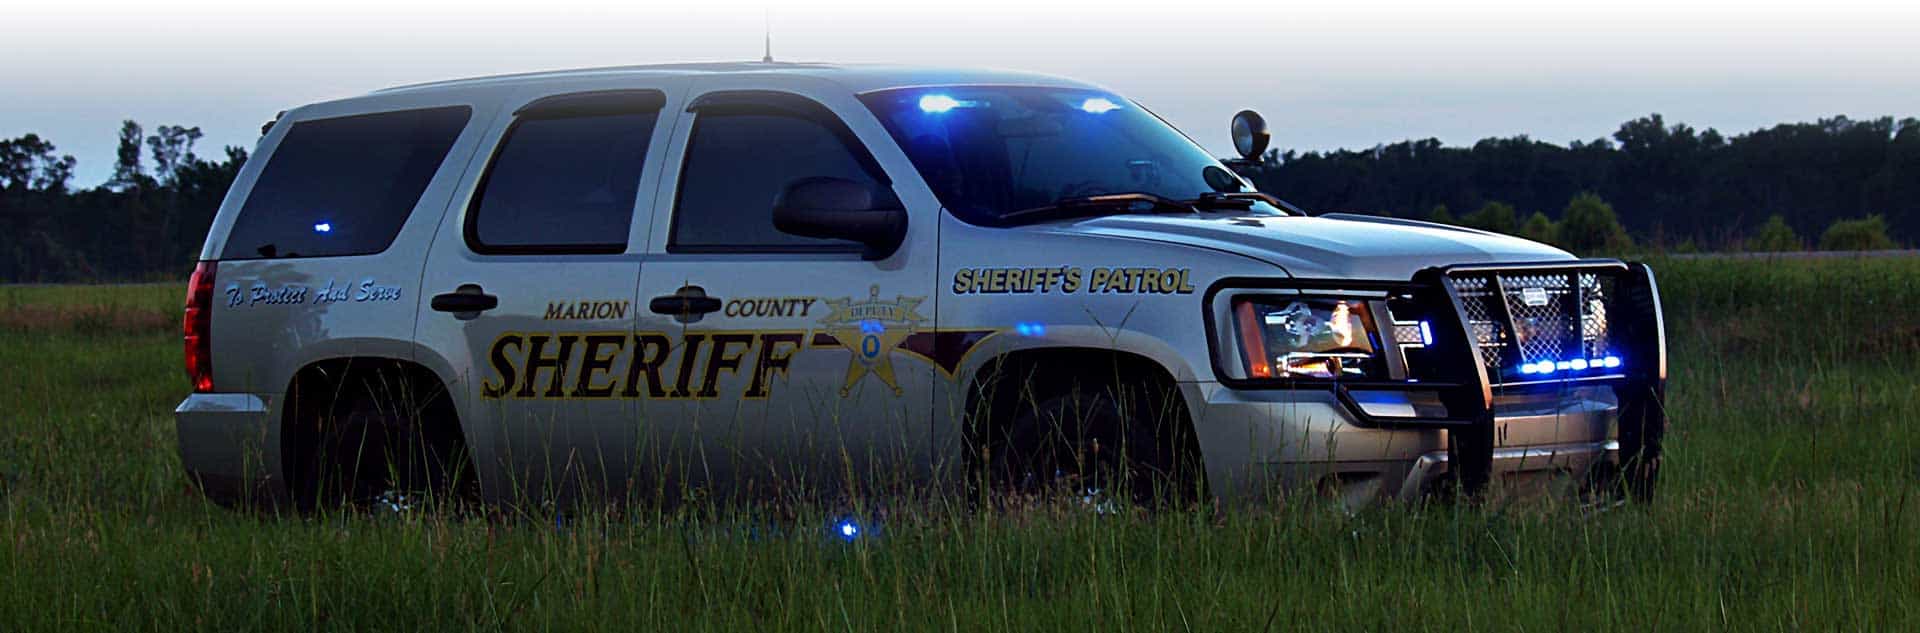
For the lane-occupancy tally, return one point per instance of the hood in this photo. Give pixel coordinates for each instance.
(1340, 246)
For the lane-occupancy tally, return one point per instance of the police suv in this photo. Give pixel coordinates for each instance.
(786, 278)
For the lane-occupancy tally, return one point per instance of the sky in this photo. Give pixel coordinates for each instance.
(1350, 74)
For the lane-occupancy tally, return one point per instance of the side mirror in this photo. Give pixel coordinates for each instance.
(1250, 134)
(837, 208)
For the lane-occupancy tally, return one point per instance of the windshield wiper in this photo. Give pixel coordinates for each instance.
(1136, 202)
(1214, 201)
(1241, 200)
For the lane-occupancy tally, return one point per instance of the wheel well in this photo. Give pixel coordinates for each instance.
(435, 449)
(1023, 378)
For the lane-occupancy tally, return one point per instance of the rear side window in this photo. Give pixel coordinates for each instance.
(565, 176)
(739, 160)
(343, 186)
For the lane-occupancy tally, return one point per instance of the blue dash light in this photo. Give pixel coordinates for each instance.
(1579, 364)
(847, 529)
(323, 227)
(1030, 329)
(1610, 362)
(1426, 334)
(1096, 105)
(935, 104)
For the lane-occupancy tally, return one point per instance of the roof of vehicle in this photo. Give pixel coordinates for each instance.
(858, 78)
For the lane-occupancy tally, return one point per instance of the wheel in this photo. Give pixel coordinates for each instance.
(1095, 444)
(372, 441)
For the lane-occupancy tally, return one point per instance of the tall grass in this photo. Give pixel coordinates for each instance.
(1788, 502)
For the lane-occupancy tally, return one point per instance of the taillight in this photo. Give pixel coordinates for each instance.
(196, 326)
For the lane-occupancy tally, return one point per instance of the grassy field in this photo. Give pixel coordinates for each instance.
(1788, 503)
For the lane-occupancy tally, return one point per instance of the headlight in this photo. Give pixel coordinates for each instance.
(1304, 337)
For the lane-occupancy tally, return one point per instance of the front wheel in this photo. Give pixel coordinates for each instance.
(1095, 444)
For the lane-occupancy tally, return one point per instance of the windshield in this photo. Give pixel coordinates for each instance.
(990, 152)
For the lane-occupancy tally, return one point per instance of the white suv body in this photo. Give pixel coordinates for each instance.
(632, 315)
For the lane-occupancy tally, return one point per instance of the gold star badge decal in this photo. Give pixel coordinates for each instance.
(872, 329)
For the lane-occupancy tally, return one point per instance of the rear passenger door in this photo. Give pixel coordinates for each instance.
(530, 288)
(811, 365)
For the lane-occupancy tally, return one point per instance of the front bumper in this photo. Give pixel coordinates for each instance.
(1259, 442)
(1577, 458)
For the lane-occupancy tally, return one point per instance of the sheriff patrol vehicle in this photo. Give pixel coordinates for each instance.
(778, 277)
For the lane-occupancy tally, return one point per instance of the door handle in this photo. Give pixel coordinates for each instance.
(686, 305)
(465, 302)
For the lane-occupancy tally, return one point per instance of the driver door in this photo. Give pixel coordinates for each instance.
(796, 370)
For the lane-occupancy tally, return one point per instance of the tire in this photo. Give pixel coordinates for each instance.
(1093, 442)
(367, 442)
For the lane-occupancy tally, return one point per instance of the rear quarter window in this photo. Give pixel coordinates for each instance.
(343, 186)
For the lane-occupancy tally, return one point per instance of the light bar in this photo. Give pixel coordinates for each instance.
(1098, 105)
(1548, 366)
(934, 104)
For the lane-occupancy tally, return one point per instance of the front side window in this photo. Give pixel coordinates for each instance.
(343, 186)
(991, 152)
(564, 181)
(738, 162)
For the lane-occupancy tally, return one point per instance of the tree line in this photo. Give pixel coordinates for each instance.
(1668, 185)
(1651, 186)
(1589, 225)
(147, 222)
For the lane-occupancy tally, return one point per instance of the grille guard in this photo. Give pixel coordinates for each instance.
(1636, 327)
(1458, 371)
(1465, 382)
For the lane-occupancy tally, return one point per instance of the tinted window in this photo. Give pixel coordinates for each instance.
(991, 151)
(343, 186)
(737, 164)
(563, 184)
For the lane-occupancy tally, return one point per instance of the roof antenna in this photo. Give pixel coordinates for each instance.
(766, 23)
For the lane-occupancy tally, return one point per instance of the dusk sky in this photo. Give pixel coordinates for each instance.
(1348, 74)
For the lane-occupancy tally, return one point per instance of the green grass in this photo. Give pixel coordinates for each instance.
(1788, 503)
